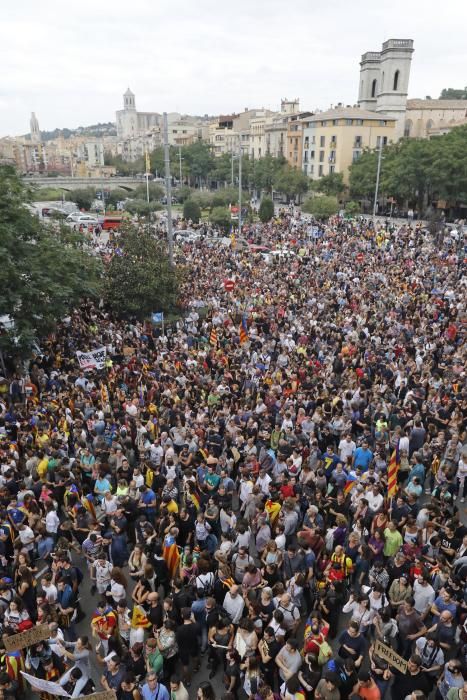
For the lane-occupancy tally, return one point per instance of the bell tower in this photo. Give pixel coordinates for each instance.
(129, 100)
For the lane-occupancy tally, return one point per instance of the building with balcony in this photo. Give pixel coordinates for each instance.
(334, 139)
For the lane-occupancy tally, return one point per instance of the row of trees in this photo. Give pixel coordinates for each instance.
(416, 171)
(46, 270)
(201, 168)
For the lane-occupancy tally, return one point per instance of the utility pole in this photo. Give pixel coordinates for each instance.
(378, 171)
(180, 163)
(239, 184)
(232, 161)
(168, 189)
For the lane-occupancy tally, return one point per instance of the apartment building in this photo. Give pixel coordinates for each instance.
(334, 139)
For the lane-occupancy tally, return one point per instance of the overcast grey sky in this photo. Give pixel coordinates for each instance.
(70, 62)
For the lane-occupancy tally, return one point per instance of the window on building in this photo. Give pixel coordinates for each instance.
(332, 169)
(334, 122)
(305, 157)
(312, 169)
(358, 142)
(378, 141)
(333, 141)
(373, 88)
(321, 156)
(322, 141)
(355, 156)
(348, 122)
(359, 122)
(320, 171)
(332, 156)
(407, 128)
(323, 123)
(312, 155)
(396, 80)
(305, 169)
(382, 122)
(313, 140)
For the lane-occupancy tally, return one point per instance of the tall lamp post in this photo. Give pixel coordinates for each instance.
(378, 172)
(239, 184)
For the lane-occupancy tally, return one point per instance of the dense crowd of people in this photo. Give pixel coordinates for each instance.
(220, 490)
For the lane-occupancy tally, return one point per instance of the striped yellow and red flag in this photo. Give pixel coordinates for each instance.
(213, 337)
(393, 469)
(171, 555)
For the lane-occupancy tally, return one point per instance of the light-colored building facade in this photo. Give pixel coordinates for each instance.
(425, 118)
(294, 146)
(334, 139)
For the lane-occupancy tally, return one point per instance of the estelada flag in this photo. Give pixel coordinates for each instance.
(243, 331)
(138, 618)
(393, 469)
(171, 554)
(213, 337)
(350, 483)
(272, 509)
(88, 502)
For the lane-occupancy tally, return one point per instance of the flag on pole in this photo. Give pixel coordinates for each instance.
(243, 331)
(350, 483)
(213, 337)
(171, 554)
(148, 163)
(393, 469)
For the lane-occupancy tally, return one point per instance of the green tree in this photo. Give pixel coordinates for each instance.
(453, 94)
(220, 216)
(266, 209)
(199, 160)
(140, 280)
(332, 184)
(82, 197)
(46, 194)
(321, 207)
(291, 182)
(264, 171)
(183, 193)
(45, 269)
(156, 192)
(352, 208)
(118, 195)
(142, 207)
(191, 210)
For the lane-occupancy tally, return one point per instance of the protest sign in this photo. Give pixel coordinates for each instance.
(128, 351)
(25, 639)
(389, 655)
(92, 360)
(43, 686)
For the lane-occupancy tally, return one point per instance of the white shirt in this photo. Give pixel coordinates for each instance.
(50, 593)
(118, 591)
(52, 522)
(346, 449)
(27, 538)
(234, 606)
(374, 501)
(263, 483)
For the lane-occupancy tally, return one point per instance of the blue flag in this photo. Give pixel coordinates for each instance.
(157, 317)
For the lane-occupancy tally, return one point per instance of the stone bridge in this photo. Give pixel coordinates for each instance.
(74, 183)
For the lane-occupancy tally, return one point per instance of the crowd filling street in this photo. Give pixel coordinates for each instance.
(264, 499)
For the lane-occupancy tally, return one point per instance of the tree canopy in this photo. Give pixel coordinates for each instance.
(140, 279)
(266, 210)
(291, 181)
(45, 269)
(332, 184)
(321, 207)
(453, 94)
(416, 171)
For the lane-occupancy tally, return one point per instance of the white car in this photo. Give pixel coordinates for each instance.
(188, 236)
(79, 218)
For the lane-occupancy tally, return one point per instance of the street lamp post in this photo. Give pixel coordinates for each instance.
(378, 172)
(239, 184)
(180, 163)
(168, 187)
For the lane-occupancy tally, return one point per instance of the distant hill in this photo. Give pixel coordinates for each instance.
(104, 129)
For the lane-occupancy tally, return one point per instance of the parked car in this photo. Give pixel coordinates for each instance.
(78, 217)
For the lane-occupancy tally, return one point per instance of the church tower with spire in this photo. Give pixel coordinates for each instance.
(34, 129)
